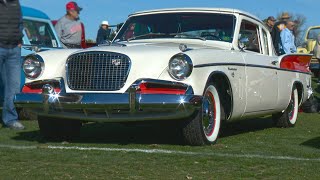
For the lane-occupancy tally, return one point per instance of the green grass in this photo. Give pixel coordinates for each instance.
(247, 137)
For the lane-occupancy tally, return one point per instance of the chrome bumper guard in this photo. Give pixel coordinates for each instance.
(126, 107)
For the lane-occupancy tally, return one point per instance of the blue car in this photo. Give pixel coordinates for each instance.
(39, 34)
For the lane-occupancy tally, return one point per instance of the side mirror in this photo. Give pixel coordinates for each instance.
(242, 43)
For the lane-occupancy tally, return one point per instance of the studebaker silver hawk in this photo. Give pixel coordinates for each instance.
(198, 66)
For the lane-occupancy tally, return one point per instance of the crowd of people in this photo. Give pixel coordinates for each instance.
(282, 34)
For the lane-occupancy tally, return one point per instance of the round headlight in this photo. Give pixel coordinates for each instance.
(33, 66)
(180, 67)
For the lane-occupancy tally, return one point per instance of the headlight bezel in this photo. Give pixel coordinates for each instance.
(38, 61)
(188, 64)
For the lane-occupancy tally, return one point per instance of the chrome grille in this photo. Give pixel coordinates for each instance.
(97, 71)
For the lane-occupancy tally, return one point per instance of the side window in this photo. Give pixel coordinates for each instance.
(266, 42)
(250, 31)
(39, 33)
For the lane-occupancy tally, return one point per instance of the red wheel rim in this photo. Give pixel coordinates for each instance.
(209, 114)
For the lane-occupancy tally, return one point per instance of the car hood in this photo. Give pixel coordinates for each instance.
(148, 59)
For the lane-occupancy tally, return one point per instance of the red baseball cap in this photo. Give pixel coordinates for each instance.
(73, 6)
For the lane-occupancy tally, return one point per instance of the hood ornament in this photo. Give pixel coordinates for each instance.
(183, 47)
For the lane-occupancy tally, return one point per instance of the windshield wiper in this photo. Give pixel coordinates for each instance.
(146, 35)
(183, 35)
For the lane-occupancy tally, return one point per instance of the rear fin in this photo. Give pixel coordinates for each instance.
(296, 62)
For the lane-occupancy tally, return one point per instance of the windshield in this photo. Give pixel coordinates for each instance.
(39, 33)
(313, 33)
(202, 26)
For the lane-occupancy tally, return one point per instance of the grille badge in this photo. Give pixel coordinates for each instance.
(116, 62)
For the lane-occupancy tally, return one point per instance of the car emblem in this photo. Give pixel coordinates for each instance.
(116, 62)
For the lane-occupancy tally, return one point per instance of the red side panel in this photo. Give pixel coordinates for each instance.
(83, 37)
(296, 62)
(54, 22)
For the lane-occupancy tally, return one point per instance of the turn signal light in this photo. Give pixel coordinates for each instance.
(154, 88)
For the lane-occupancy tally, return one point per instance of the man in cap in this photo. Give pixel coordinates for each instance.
(10, 55)
(270, 23)
(276, 30)
(103, 33)
(69, 28)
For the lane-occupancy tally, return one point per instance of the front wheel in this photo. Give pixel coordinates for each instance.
(288, 117)
(205, 127)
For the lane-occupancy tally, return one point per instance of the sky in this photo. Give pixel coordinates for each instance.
(117, 11)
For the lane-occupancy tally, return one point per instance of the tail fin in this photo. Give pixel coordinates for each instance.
(296, 62)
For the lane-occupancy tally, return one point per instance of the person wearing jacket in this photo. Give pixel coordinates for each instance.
(69, 28)
(276, 30)
(316, 52)
(287, 39)
(103, 33)
(10, 55)
(317, 48)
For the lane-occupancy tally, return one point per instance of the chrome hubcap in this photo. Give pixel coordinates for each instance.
(208, 114)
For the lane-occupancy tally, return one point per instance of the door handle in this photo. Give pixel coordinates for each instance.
(274, 62)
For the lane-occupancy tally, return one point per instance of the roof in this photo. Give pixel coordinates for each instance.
(227, 10)
(31, 12)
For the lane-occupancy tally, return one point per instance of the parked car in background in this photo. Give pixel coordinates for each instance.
(39, 34)
(308, 47)
(199, 67)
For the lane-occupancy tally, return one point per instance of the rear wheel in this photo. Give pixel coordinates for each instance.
(205, 127)
(288, 117)
(53, 128)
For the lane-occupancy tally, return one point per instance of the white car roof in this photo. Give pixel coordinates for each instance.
(227, 10)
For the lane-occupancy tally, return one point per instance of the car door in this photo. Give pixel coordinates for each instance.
(261, 71)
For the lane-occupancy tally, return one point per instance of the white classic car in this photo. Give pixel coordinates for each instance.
(199, 66)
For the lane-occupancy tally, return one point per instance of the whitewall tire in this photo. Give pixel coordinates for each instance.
(289, 116)
(205, 127)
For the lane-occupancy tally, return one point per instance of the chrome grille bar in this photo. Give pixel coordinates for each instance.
(97, 71)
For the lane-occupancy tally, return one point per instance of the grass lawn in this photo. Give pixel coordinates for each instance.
(249, 149)
(233, 156)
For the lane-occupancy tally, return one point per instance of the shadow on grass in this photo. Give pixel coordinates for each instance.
(109, 133)
(314, 143)
(245, 126)
(150, 133)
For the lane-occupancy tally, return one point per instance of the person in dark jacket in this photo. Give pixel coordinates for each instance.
(270, 23)
(276, 30)
(103, 33)
(10, 55)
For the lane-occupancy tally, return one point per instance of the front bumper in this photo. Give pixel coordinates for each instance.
(126, 107)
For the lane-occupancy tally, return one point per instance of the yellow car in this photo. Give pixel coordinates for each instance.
(308, 46)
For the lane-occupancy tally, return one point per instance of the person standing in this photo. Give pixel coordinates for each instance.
(10, 55)
(276, 30)
(287, 39)
(69, 28)
(316, 53)
(317, 48)
(103, 33)
(270, 23)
